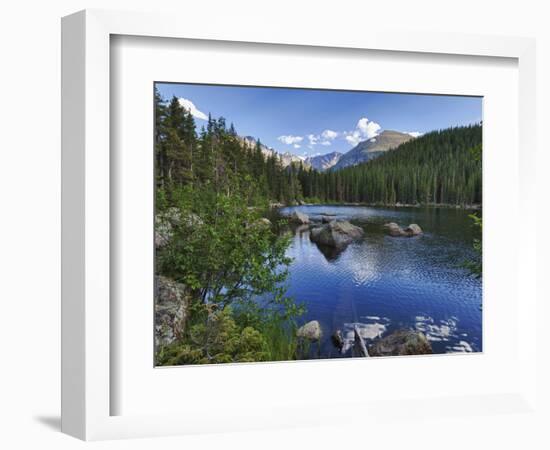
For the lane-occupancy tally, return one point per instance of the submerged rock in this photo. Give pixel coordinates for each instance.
(401, 342)
(310, 331)
(336, 234)
(298, 217)
(171, 310)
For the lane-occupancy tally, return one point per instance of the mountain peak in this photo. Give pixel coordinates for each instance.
(372, 148)
(285, 158)
(324, 162)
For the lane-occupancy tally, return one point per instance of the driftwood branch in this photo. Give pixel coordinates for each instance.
(359, 347)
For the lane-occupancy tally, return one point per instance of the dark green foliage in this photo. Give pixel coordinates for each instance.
(216, 188)
(217, 340)
(437, 168)
(475, 265)
(220, 250)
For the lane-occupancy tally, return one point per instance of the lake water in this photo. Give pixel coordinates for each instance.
(383, 283)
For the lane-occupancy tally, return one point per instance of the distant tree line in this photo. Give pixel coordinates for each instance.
(437, 168)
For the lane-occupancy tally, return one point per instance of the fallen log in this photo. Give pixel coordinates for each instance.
(359, 347)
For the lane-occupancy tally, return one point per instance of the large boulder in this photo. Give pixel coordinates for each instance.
(171, 310)
(163, 232)
(413, 230)
(337, 234)
(299, 218)
(310, 331)
(164, 226)
(395, 230)
(401, 342)
(315, 231)
(169, 219)
(262, 222)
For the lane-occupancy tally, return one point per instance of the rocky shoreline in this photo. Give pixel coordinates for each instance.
(398, 343)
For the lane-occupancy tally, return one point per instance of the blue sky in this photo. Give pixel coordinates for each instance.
(308, 122)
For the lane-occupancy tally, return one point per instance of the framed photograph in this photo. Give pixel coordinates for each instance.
(282, 212)
(353, 239)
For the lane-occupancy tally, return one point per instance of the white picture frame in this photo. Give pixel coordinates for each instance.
(86, 220)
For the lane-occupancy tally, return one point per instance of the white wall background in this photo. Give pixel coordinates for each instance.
(30, 198)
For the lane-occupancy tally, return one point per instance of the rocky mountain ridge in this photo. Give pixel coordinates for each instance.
(324, 162)
(372, 148)
(362, 152)
(286, 158)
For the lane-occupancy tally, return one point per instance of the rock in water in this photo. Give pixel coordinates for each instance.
(395, 230)
(413, 230)
(338, 340)
(401, 342)
(326, 219)
(298, 217)
(311, 331)
(336, 234)
(171, 310)
(314, 232)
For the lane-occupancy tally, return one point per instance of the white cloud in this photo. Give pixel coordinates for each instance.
(188, 105)
(313, 140)
(364, 130)
(329, 135)
(368, 128)
(296, 145)
(353, 137)
(414, 134)
(289, 139)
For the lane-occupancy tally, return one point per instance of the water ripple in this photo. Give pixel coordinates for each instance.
(382, 283)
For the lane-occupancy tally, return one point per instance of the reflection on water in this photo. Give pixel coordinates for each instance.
(382, 283)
